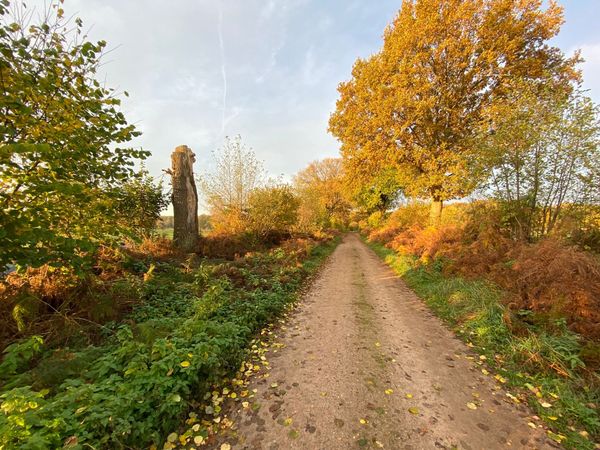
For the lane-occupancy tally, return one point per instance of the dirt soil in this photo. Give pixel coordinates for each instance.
(365, 364)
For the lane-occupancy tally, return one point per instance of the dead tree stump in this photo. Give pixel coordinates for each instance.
(185, 200)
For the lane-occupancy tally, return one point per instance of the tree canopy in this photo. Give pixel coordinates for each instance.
(61, 136)
(323, 195)
(417, 104)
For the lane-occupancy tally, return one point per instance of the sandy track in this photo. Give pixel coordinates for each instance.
(366, 365)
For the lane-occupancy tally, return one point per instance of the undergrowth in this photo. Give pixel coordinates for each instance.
(545, 367)
(191, 328)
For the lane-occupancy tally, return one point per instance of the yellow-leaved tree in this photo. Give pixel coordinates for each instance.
(323, 200)
(418, 104)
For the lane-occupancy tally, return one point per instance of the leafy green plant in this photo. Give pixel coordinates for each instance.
(17, 355)
(61, 154)
(189, 332)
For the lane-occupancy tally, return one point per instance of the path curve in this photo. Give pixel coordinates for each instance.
(365, 364)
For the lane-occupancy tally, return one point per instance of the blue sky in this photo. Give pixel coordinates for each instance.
(197, 70)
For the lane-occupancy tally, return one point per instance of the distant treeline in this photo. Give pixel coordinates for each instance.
(166, 222)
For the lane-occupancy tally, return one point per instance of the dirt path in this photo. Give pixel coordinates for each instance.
(366, 365)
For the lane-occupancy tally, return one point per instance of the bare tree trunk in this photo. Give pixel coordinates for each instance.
(435, 212)
(185, 200)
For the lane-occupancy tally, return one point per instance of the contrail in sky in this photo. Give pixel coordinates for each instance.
(223, 70)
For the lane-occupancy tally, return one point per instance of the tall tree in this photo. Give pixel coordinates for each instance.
(323, 196)
(543, 149)
(62, 163)
(227, 189)
(417, 104)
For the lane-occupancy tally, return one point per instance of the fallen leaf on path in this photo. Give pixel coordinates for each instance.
(225, 446)
(389, 391)
(294, 434)
(471, 405)
(363, 421)
(500, 378)
(287, 422)
(413, 410)
(409, 396)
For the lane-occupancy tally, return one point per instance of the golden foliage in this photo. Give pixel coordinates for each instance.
(418, 104)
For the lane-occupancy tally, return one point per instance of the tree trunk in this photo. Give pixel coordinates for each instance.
(435, 212)
(185, 200)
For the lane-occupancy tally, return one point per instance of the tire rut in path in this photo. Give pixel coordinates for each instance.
(365, 364)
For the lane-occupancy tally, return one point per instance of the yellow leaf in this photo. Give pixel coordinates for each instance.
(413, 410)
(185, 364)
(363, 421)
(471, 405)
(389, 391)
(288, 421)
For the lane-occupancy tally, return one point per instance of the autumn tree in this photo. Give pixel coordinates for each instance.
(417, 104)
(378, 193)
(324, 200)
(63, 153)
(272, 210)
(543, 151)
(227, 189)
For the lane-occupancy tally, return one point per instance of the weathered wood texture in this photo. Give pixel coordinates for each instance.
(185, 199)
